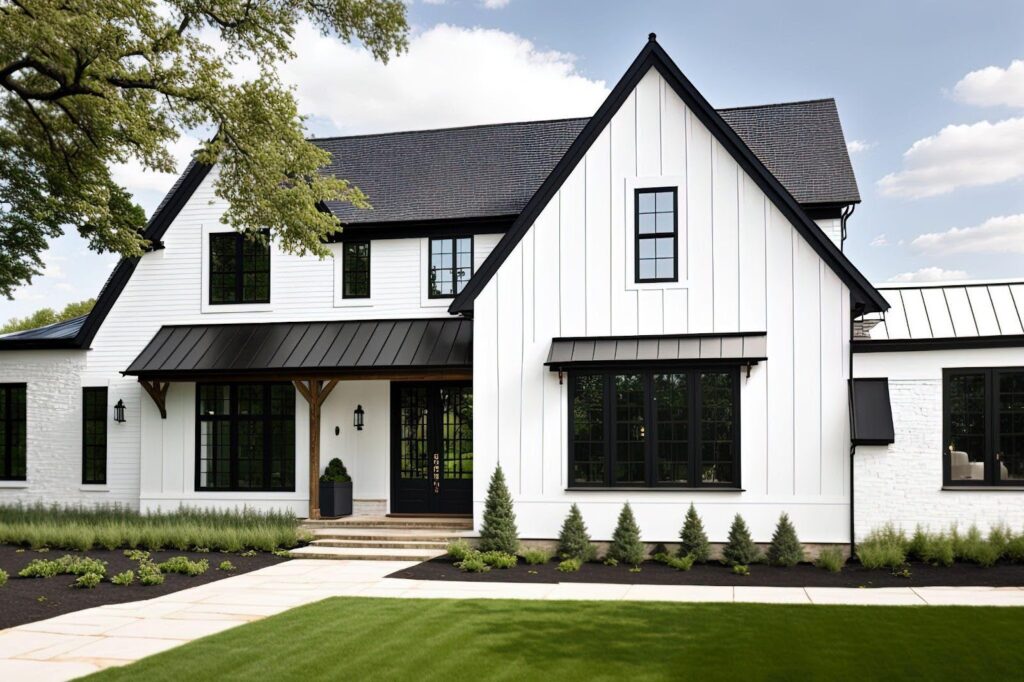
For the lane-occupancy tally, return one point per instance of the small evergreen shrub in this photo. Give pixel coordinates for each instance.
(283, 553)
(536, 556)
(88, 580)
(459, 549)
(474, 563)
(149, 574)
(626, 546)
(785, 549)
(680, 563)
(248, 554)
(498, 532)
(184, 566)
(884, 547)
(831, 559)
(3, 577)
(740, 549)
(335, 472)
(226, 566)
(499, 559)
(570, 565)
(693, 541)
(573, 540)
(124, 578)
(741, 569)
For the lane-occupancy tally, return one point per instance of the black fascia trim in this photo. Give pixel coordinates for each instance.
(687, 363)
(962, 343)
(457, 227)
(657, 337)
(39, 344)
(155, 231)
(825, 211)
(654, 56)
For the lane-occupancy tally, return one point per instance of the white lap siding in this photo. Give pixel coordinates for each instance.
(743, 268)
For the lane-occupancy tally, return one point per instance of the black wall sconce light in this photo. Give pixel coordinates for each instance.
(119, 412)
(357, 418)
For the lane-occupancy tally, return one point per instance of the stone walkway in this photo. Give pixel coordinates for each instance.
(82, 642)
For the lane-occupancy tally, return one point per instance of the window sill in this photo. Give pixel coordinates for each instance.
(984, 488)
(13, 484)
(87, 488)
(659, 489)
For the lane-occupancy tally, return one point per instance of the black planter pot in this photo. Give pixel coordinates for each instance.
(335, 499)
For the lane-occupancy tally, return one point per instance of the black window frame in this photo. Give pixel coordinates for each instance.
(454, 239)
(637, 237)
(992, 431)
(345, 269)
(694, 463)
(239, 270)
(96, 415)
(233, 418)
(12, 420)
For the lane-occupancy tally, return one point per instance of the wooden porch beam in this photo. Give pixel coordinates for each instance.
(157, 390)
(315, 391)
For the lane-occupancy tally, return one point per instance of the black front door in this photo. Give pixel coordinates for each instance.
(432, 448)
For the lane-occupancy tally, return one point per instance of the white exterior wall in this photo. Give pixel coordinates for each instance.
(833, 228)
(743, 267)
(902, 483)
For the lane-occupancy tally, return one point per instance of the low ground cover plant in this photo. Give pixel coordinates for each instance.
(570, 565)
(459, 549)
(149, 574)
(3, 577)
(184, 566)
(474, 563)
(499, 559)
(66, 565)
(225, 566)
(124, 578)
(680, 563)
(88, 580)
(114, 527)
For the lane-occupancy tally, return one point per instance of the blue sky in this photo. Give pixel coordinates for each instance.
(899, 71)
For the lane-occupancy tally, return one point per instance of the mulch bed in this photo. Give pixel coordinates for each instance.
(803, 575)
(24, 600)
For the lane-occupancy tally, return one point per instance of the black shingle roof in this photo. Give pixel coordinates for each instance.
(58, 334)
(493, 170)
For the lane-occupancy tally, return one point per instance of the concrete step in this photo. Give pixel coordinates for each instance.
(364, 554)
(381, 544)
(411, 523)
(387, 534)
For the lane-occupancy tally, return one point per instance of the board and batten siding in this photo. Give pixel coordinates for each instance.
(152, 459)
(743, 267)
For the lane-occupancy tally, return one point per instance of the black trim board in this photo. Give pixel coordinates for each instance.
(654, 56)
(961, 343)
(459, 227)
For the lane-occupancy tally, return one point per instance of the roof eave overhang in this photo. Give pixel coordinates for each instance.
(961, 343)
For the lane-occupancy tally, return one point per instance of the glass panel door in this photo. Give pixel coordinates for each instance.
(1010, 426)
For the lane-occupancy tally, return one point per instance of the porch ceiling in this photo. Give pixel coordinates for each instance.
(385, 349)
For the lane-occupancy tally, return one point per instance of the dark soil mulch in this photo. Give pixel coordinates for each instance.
(24, 600)
(804, 575)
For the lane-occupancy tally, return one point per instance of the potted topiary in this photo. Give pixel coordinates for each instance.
(335, 490)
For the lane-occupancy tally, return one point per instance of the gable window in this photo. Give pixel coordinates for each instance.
(355, 270)
(451, 266)
(983, 415)
(239, 269)
(245, 437)
(12, 432)
(654, 428)
(94, 435)
(656, 235)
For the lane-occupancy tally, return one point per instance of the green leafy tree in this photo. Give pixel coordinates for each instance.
(785, 549)
(85, 85)
(45, 316)
(498, 532)
(740, 549)
(574, 540)
(626, 547)
(693, 541)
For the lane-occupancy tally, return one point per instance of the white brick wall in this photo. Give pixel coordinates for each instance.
(902, 483)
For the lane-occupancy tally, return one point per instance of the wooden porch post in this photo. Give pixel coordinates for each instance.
(315, 391)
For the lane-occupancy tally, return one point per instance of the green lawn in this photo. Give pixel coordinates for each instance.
(396, 639)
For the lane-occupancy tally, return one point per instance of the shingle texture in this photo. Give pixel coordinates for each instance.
(59, 330)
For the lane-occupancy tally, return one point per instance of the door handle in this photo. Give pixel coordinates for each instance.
(437, 473)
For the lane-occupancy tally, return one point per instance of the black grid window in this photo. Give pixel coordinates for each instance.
(12, 432)
(451, 266)
(414, 462)
(657, 235)
(94, 435)
(245, 437)
(983, 426)
(457, 432)
(239, 269)
(654, 428)
(355, 270)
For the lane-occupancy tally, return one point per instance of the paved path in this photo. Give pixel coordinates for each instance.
(78, 643)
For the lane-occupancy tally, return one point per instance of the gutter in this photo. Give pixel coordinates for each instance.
(844, 216)
(857, 312)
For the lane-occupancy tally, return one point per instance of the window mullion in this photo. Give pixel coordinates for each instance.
(990, 426)
(650, 428)
(693, 383)
(609, 429)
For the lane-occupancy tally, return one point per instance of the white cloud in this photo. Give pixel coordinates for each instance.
(997, 235)
(137, 179)
(858, 146)
(993, 86)
(957, 156)
(880, 240)
(930, 275)
(495, 4)
(450, 76)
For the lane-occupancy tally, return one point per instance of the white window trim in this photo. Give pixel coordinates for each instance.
(338, 252)
(631, 185)
(205, 306)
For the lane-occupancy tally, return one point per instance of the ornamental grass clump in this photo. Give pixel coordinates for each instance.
(884, 547)
(831, 559)
(785, 548)
(573, 540)
(498, 532)
(535, 556)
(626, 546)
(474, 563)
(973, 547)
(740, 549)
(693, 541)
(458, 549)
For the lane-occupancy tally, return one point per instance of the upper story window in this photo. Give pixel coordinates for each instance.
(239, 269)
(654, 428)
(983, 415)
(12, 432)
(657, 235)
(451, 266)
(94, 435)
(355, 270)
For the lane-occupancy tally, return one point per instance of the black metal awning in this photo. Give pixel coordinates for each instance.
(734, 348)
(306, 349)
(871, 412)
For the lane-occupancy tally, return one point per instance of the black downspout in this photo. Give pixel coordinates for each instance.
(858, 310)
(847, 212)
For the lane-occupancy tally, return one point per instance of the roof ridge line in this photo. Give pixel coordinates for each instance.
(770, 105)
(446, 129)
